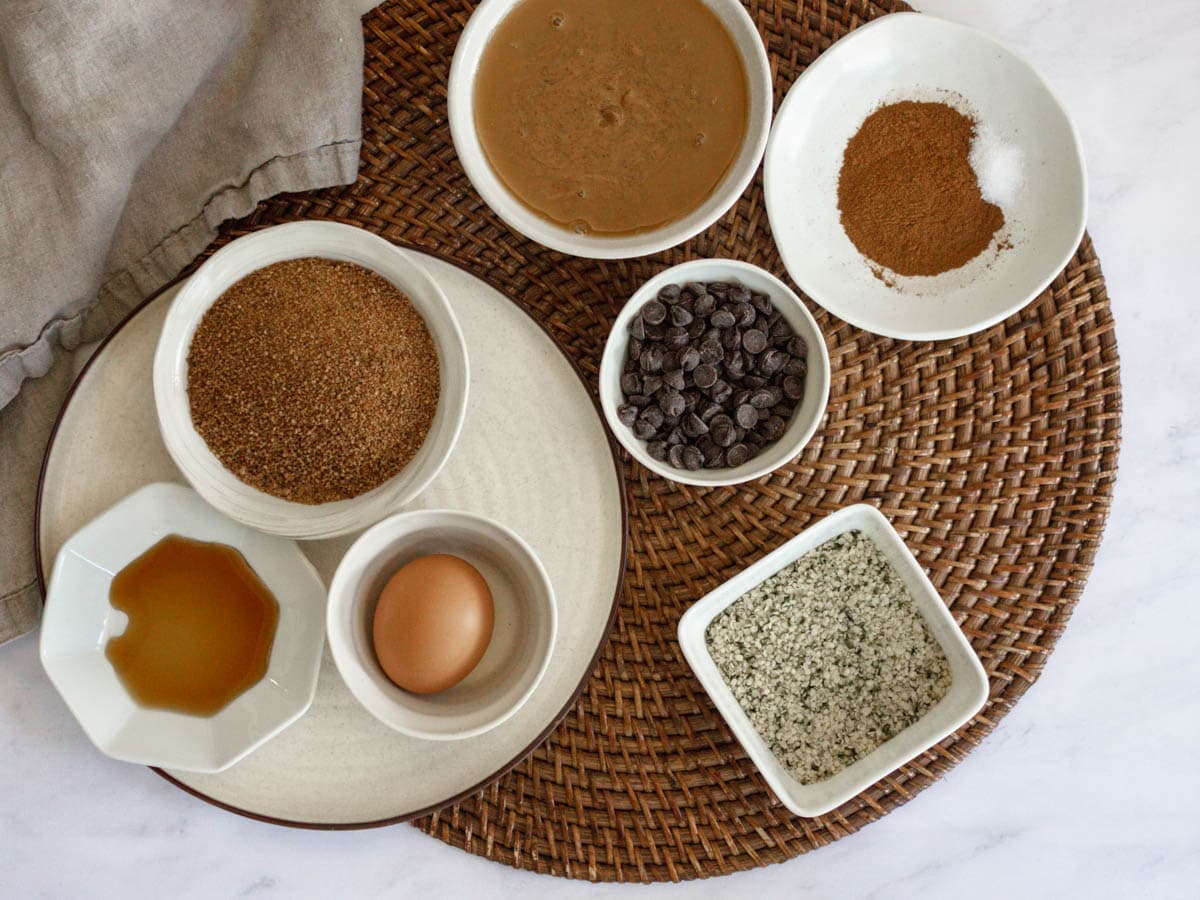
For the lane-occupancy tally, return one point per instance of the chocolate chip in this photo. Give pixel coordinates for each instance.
(638, 400)
(797, 347)
(772, 361)
(705, 375)
(723, 318)
(680, 316)
(797, 367)
(671, 402)
(720, 392)
(689, 359)
(653, 416)
(654, 313)
(657, 450)
(652, 358)
(635, 351)
(762, 303)
(753, 381)
(675, 379)
(668, 293)
(746, 416)
(676, 436)
(695, 288)
(693, 425)
(708, 410)
(693, 459)
(735, 364)
(723, 431)
(637, 329)
(746, 314)
(774, 428)
(720, 288)
(730, 339)
(762, 399)
(737, 454)
(675, 456)
(705, 304)
(627, 414)
(631, 383)
(754, 341)
(711, 352)
(793, 387)
(779, 327)
(644, 429)
(676, 338)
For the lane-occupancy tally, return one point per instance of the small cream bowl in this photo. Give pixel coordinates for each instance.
(221, 487)
(807, 415)
(461, 111)
(526, 622)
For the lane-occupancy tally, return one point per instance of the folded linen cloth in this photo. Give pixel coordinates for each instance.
(129, 130)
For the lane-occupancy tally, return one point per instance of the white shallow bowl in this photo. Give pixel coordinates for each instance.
(78, 622)
(461, 111)
(968, 689)
(191, 454)
(805, 419)
(523, 636)
(909, 56)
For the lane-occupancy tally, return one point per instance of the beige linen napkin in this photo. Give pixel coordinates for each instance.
(129, 129)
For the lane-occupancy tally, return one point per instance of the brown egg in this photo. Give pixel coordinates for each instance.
(433, 623)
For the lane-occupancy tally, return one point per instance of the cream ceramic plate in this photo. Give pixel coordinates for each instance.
(533, 454)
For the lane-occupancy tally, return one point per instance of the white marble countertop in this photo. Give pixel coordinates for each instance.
(1088, 788)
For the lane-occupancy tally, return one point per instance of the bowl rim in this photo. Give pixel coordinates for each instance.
(776, 211)
(612, 359)
(463, 135)
(176, 497)
(414, 522)
(694, 624)
(196, 461)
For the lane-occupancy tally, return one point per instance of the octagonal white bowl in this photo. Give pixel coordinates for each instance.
(79, 621)
(909, 56)
(221, 487)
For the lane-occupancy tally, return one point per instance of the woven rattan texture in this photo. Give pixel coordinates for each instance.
(994, 456)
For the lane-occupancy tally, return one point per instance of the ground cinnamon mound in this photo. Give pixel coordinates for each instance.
(908, 197)
(313, 380)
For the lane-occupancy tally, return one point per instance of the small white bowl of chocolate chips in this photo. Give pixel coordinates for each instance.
(714, 374)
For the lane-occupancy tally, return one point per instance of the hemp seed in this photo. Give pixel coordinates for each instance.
(829, 657)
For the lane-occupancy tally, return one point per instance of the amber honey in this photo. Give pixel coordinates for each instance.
(201, 625)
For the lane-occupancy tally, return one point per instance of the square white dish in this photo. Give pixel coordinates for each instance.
(79, 620)
(968, 689)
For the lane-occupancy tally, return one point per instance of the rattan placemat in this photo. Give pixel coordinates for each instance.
(994, 456)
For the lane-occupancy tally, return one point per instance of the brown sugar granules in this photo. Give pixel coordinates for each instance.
(907, 194)
(313, 380)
